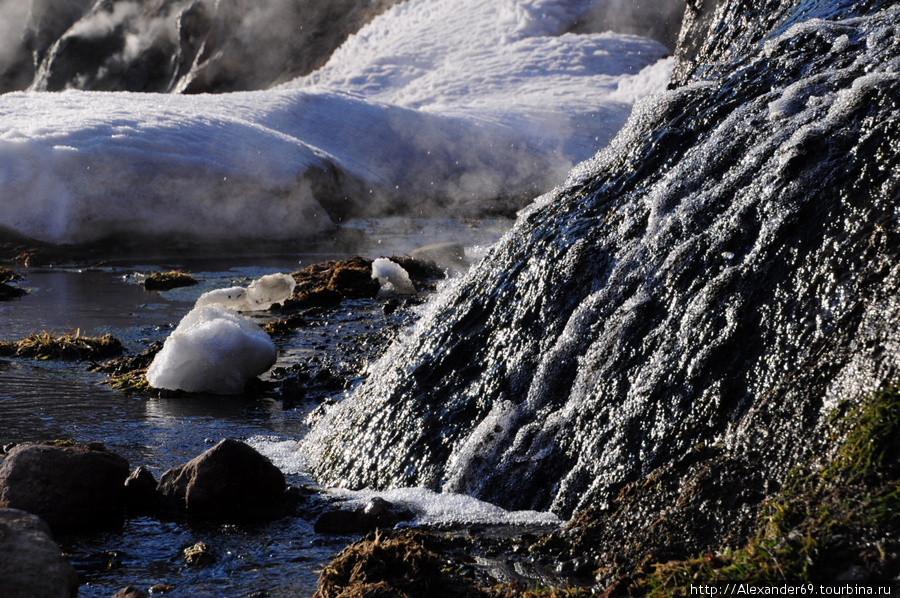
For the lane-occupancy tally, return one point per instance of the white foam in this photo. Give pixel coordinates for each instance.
(446, 508)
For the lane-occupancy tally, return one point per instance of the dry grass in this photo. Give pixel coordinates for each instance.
(72, 346)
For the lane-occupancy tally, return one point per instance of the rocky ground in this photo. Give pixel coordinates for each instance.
(836, 518)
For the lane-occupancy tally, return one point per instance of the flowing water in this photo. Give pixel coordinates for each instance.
(724, 274)
(47, 400)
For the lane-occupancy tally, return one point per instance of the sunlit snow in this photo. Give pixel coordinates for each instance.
(433, 102)
(214, 350)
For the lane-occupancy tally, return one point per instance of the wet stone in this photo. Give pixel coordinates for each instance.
(230, 481)
(375, 514)
(73, 486)
(199, 554)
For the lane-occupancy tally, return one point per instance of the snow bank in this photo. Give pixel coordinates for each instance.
(435, 104)
(213, 350)
(262, 294)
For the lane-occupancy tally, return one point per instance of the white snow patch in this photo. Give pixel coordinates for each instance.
(394, 280)
(261, 295)
(213, 350)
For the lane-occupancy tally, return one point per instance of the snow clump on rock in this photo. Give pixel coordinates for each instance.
(262, 294)
(392, 277)
(215, 349)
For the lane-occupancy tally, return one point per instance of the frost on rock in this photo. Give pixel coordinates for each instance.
(213, 350)
(261, 295)
(392, 277)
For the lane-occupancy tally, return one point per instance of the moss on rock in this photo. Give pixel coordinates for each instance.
(74, 346)
(836, 520)
(395, 565)
(164, 281)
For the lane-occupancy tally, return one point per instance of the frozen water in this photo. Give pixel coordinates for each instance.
(213, 350)
(261, 295)
(392, 277)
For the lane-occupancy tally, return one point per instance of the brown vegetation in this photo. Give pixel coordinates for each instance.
(47, 345)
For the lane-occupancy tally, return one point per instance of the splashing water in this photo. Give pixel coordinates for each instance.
(725, 272)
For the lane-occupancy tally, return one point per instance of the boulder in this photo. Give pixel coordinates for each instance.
(377, 513)
(73, 486)
(31, 563)
(230, 481)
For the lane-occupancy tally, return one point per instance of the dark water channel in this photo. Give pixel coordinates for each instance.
(46, 400)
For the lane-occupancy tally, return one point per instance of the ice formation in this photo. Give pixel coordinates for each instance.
(261, 295)
(216, 350)
(213, 350)
(394, 280)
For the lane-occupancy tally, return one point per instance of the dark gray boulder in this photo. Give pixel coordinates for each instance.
(69, 487)
(31, 563)
(375, 514)
(230, 481)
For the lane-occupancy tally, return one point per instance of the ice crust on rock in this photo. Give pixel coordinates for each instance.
(213, 350)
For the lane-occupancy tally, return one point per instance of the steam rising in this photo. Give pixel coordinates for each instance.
(657, 19)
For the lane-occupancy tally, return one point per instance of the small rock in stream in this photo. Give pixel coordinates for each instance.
(377, 513)
(199, 554)
(140, 490)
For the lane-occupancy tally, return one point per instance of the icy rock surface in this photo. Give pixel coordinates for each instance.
(724, 274)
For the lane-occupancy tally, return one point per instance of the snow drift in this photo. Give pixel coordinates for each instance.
(426, 108)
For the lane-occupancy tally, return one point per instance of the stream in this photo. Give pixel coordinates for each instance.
(48, 400)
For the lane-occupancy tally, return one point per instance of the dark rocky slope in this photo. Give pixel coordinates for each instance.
(187, 46)
(693, 306)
